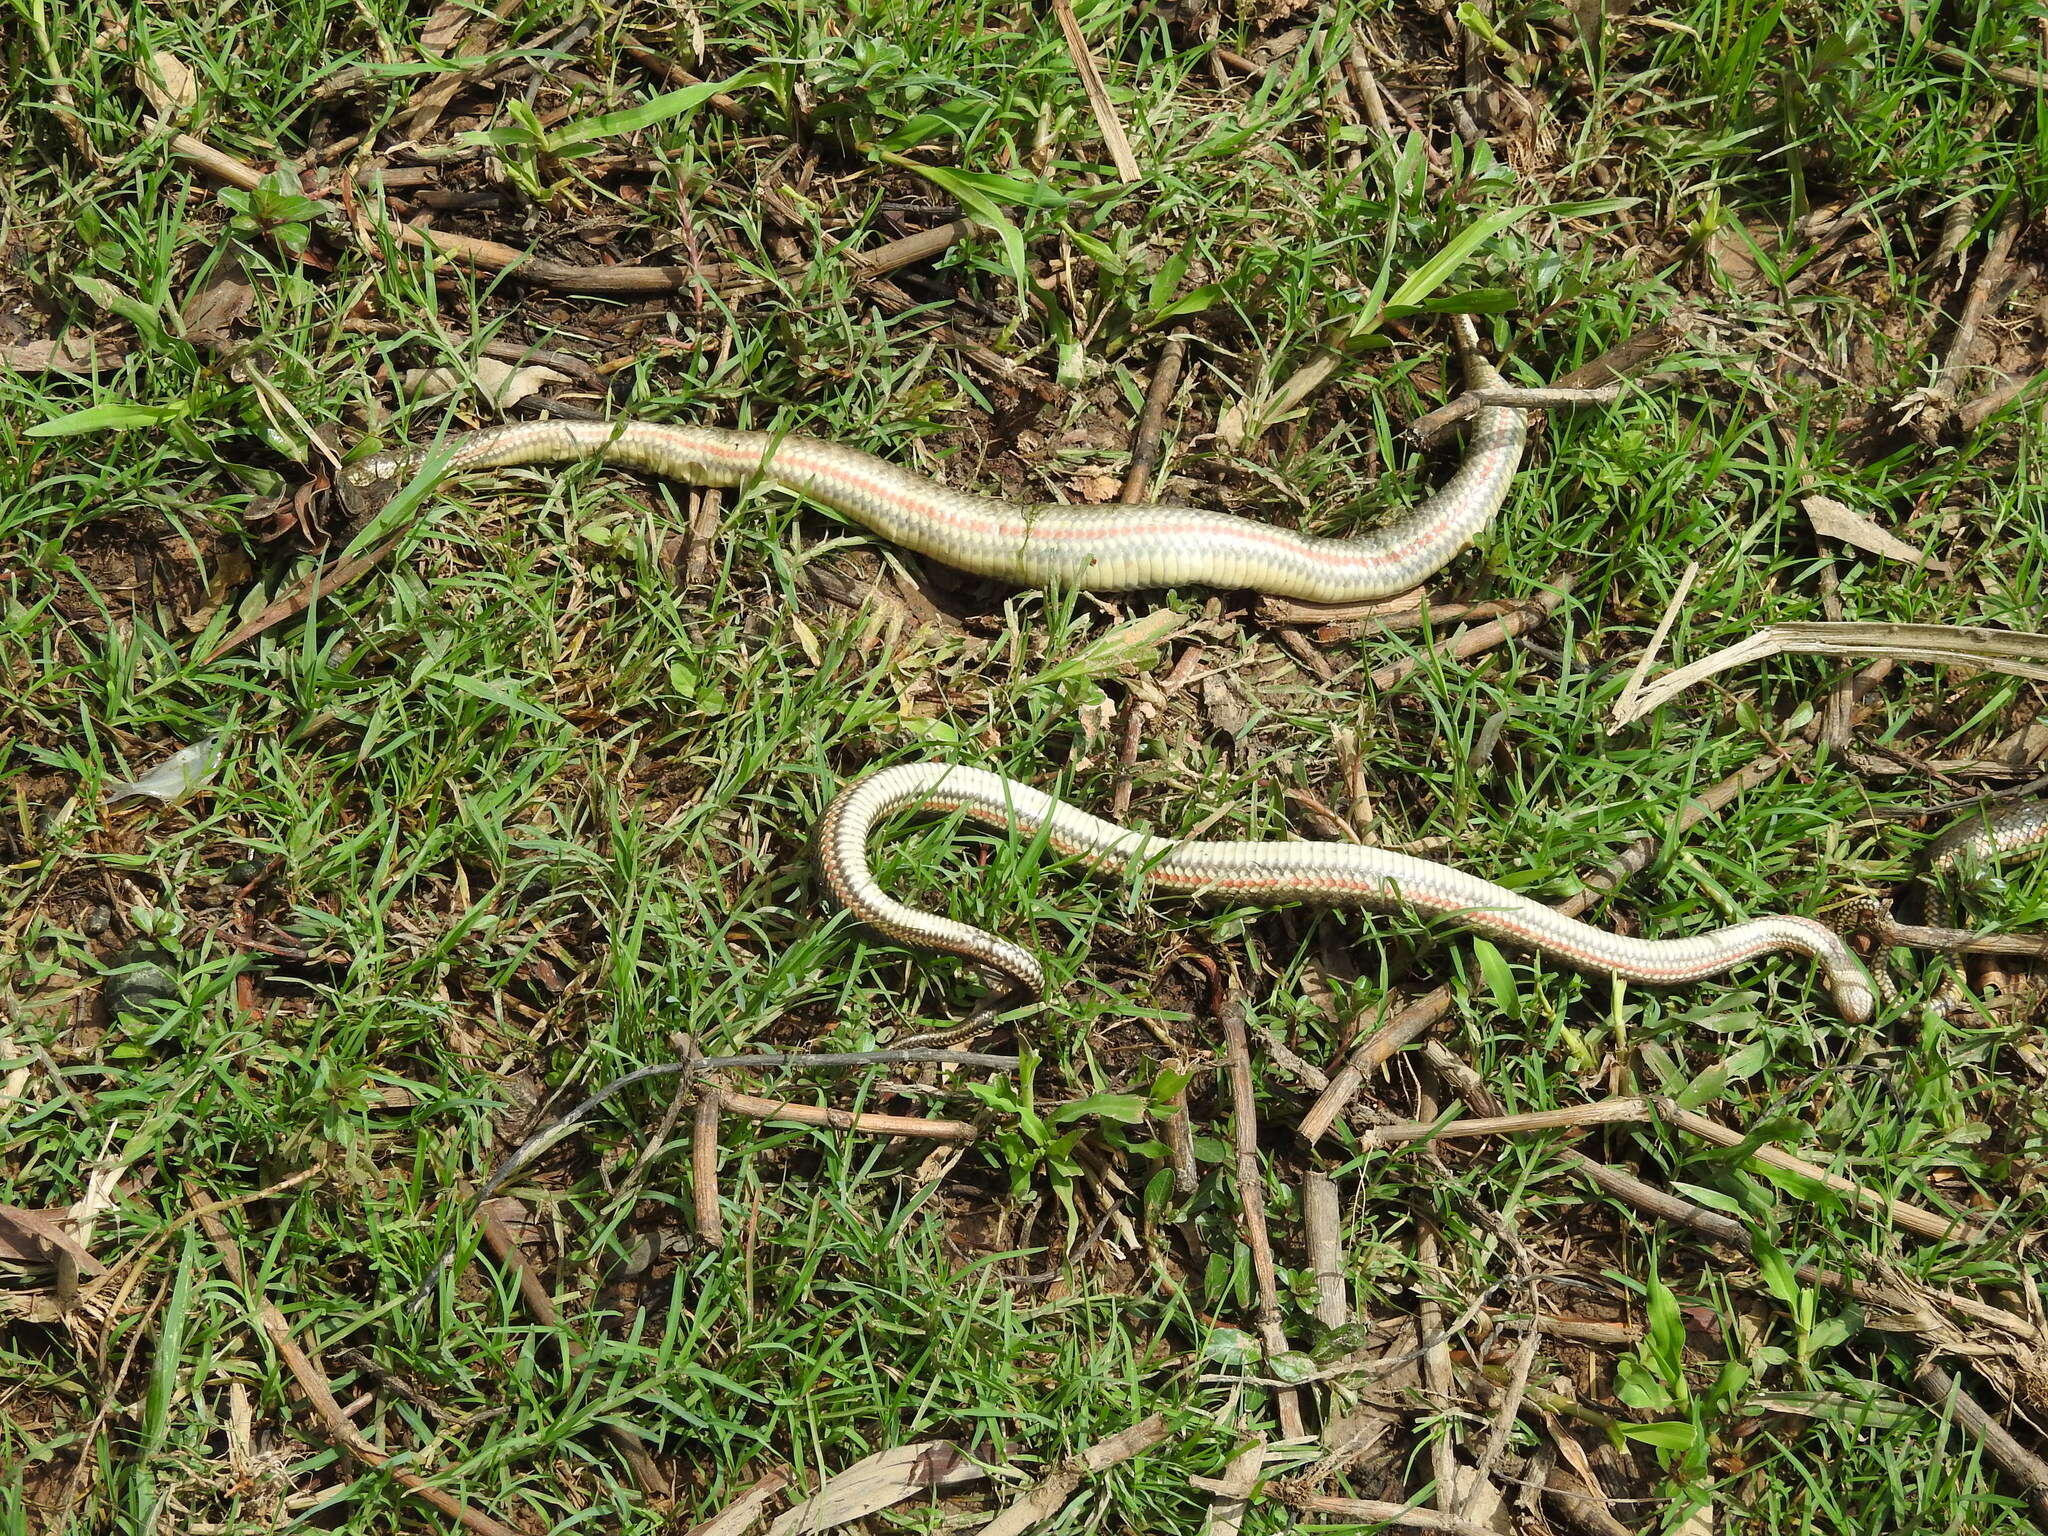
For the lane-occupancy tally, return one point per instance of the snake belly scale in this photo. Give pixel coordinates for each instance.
(1097, 549)
(1330, 874)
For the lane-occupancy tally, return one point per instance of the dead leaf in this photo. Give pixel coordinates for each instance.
(1134, 642)
(1247, 418)
(744, 1513)
(38, 1237)
(1095, 720)
(209, 314)
(1097, 488)
(1735, 252)
(31, 1307)
(226, 575)
(1574, 1455)
(70, 354)
(102, 1194)
(498, 382)
(2024, 747)
(169, 85)
(1832, 520)
(877, 1482)
(1231, 1494)
(444, 27)
(1481, 1502)
(448, 29)
(1226, 708)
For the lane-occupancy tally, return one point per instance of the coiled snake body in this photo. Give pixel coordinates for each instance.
(1988, 837)
(1971, 844)
(1100, 549)
(1274, 873)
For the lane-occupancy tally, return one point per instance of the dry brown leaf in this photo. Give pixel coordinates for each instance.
(1225, 706)
(744, 1512)
(38, 1237)
(1097, 488)
(102, 1194)
(1733, 250)
(70, 354)
(31, 1307)
(1573, 1454)
(1231, 1494)
(1049, 1495)
(875, 1483)
(169, 85)
(503, 384)
(1998, 650)
(444, 27)
(1247, 418)
(1832, 520)
(447, 30)
(2024, 747)
(209, 314)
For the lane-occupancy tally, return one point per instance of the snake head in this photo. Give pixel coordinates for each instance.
(368, 484)
(1856, 995)
(1009, 969)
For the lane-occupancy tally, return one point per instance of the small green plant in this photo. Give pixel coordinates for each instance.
(275, 210)
(534, 154)
(1047, 1140)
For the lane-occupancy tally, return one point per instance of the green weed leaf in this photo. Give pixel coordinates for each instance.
(110, 416)
(1671, 1435)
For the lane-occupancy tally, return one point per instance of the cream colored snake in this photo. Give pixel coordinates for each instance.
(1101, 549)
(1141, 546)
(1331, 874)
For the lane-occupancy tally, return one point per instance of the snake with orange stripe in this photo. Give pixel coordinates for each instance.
(1328, 874)
(1098, 549)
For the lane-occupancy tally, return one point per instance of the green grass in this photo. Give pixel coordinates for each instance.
(532, 807)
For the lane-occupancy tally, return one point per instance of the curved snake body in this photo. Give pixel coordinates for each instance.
(1271, 874)
(1098, 549)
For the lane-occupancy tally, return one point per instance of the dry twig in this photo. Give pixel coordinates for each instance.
(632, 1446)
(1655, 648)
(788, 1112)
(1940, 1390)
(1049, 1495)
(704, 1165)
(1467, 643)
(1379, 1512)
(1151, 429)
(1640, 1109)
(1323, 1233)
(1930, 409)
(2000, 650)
(1113, 136)
(1251, 1186)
